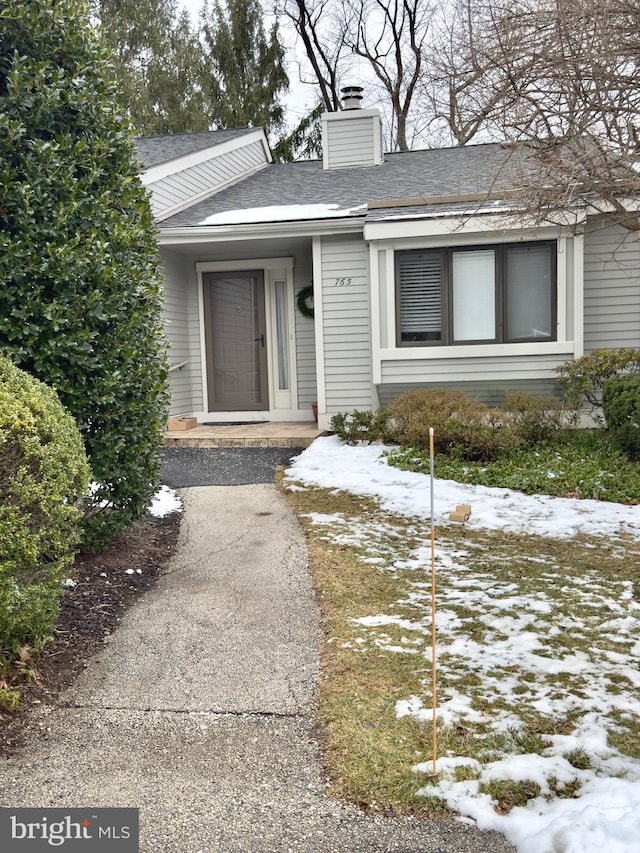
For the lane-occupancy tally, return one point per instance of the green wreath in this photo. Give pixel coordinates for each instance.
(302, 300)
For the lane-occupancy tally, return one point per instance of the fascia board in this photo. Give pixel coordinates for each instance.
(225, 233)
(179, 164)
(395, 229)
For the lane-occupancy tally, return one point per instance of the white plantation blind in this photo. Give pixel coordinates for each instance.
(474, 295)
(420, 279)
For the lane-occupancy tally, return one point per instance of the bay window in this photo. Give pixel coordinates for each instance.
(475, 295)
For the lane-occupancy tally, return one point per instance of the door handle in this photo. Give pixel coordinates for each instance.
(261, 339)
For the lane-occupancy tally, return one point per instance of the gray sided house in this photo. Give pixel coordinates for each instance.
(421, 272)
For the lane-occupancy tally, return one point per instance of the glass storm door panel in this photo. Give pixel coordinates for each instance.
(235, 338)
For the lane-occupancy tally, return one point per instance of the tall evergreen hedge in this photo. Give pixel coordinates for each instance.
(80, 301)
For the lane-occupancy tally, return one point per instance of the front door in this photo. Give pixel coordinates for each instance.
(235, 331)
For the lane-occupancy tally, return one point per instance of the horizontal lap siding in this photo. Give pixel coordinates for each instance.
(611, 289)
(177, 329)
(492, 393)
(177, 189)
(346, 318)
(485, 378)
(351, 143)
(483, 367)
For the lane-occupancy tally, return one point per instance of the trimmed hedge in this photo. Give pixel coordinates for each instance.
(43, 476)
(621, 405)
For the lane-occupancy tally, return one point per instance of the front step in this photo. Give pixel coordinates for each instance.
(272, 434)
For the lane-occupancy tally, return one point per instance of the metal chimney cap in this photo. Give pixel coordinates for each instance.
(351, 97)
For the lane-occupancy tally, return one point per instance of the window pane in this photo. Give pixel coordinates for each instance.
(282, 332)
(420, 276)
(474, 296)
(529, 292)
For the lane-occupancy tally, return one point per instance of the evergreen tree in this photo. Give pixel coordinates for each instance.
(158, 62)
(79, 280)
(247, 72)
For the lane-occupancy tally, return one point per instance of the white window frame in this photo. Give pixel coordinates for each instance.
(387, 238)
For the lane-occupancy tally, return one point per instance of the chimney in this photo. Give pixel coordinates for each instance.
(353, 136)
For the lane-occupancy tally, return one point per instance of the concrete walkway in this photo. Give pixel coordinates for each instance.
(199, 710)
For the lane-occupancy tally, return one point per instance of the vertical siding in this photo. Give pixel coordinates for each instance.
(305, 337)
(177, 328)
(611, 289)
(347, 323)
(176, 190)
(195, 350)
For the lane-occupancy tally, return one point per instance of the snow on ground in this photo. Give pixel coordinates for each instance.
(533, 644)
(164, 502)
(362, 470)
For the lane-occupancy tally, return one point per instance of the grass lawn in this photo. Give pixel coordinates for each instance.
(537, 655)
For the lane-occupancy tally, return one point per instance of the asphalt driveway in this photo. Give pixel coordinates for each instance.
(223, 466)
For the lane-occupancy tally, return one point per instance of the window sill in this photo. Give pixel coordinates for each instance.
(564, 348)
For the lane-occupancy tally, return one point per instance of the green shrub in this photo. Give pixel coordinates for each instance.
(353, 427)
(462, 426)
(580, 464)
(534, 419)
(79, 279)
(584, 378)
(43, 476)
(621, 404)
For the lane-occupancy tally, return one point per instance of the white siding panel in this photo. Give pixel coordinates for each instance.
(174, 270)
(352, 140)
(205, 178)
(611, 289)
(483, 369)
(491, 393)
(305, 336)
(346, 315)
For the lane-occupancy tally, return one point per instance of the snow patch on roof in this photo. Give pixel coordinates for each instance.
(282, 213)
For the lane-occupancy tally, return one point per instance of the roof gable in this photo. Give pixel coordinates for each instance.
(183, 169)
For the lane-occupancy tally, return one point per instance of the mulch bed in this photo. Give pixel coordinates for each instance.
(108, 582)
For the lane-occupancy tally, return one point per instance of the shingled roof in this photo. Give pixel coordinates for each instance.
(443, 174)
(153, 150)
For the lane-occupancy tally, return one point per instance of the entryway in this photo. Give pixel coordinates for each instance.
(235, 333)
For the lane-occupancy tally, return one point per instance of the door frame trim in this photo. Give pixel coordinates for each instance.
(266, 265)
(262, 362)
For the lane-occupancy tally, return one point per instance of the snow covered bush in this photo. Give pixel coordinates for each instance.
(43, 476)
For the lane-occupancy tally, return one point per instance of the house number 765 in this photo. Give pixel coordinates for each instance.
(343, 282)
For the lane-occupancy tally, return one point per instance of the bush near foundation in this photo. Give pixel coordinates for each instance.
(353, 427)
(535, 419)
(583, 380)
(462, 426)
(43, 477)
(621, 405)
